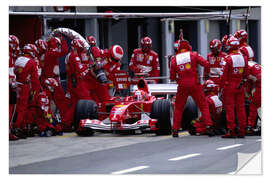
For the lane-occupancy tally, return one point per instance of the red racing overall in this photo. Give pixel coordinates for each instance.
(184, 70)
(27, 82)
(235, 70)
(255, 78)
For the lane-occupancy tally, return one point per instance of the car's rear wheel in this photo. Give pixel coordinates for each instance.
(162, 111)
(190, 113)
(84, 109)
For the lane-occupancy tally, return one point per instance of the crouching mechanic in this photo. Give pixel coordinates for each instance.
(55, 93)
(145, 60)
(215, 108)
(40, 114)
(184, 70)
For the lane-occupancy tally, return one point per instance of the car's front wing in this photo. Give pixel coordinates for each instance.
(95, 124)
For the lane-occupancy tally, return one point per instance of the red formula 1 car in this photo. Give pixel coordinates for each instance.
(139, 113)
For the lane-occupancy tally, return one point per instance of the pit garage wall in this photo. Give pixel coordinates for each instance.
(163, 36)
(160, 32)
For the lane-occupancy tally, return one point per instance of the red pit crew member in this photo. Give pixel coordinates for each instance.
(94, 49)
(13, 54)
(184, 70)
(145, 60)
(42, 47)
(235, 71)
(91, 81)
(254, 79)
(216, 61)
(40, 114)
(215, 108)
(76, 72)
(110, 65)
(56, 94)
(27, 82)
(245, 49)
(57, 47)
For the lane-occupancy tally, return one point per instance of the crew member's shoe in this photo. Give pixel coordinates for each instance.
(19, 133)
(230, 134)
(12, 137)
(175, 134)
(209, 131)
(249, 131)
(241, 133)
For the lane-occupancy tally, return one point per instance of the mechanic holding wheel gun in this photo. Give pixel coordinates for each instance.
(104, 64)
(145, 60)
(184, 70)
(110, 65)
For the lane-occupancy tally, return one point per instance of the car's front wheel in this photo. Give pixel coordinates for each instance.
(162, 111)
(84, 109)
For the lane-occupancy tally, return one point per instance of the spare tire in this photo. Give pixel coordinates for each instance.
(83, 110)
(162, 111)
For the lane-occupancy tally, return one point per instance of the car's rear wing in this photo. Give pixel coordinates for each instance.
(159, 89)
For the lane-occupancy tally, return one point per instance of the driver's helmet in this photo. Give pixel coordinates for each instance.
(140, 95)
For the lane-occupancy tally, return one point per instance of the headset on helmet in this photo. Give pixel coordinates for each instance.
(146, 44)
(241, 35)
(116, 53)
(78, 45)
(215, 44)
(91, 40)
(54, 42)
(41, 45)
(210, 86)
(30, 49)
(224, 40)
(50, 84)
(14, 42)
(183, 44)
(232, 43)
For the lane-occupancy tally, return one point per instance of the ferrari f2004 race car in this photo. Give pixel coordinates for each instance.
(125, 114)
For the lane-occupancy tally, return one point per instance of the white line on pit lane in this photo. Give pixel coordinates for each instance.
(130, 170)
(259, 140)
(184, 157)
(229, 147)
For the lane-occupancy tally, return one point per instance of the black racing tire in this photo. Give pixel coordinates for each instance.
(85, 132)
(190, 113)
(83, 110)
(162, 111)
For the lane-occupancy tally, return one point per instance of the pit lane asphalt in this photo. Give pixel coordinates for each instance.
(131, 154)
